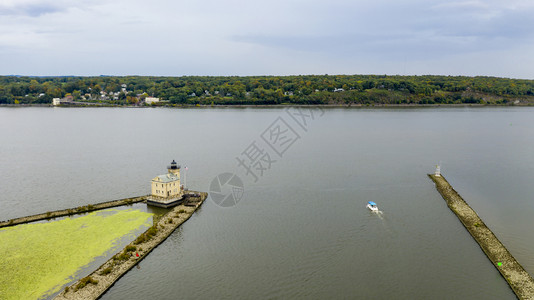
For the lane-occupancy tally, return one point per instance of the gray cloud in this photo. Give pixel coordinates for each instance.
(423, 32)
(40, 8)
(30, 9)
(277, 37)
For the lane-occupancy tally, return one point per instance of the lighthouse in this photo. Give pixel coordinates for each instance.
(166, 188)
(438, 171)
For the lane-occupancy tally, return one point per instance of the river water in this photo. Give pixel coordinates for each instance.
(300, 229)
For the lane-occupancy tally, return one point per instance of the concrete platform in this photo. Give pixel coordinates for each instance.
(164, 202)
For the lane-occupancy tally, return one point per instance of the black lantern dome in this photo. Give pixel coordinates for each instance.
(173, 166)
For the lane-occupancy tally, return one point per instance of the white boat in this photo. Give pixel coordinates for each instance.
(372, 206)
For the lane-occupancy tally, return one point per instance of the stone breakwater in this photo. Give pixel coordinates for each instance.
(72, 211)
(98, 282)
(519, 280)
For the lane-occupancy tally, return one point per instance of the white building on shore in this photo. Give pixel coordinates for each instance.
(150, 100)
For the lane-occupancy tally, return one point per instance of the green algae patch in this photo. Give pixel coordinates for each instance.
(39, 258)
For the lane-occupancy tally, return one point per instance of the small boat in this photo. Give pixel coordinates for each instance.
(372, 206)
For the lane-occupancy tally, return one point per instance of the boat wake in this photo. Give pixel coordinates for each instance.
(379, 213)
(385, 224)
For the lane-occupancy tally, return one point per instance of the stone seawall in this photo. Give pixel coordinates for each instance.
(72, 211)
(98, 282)
(519, 280)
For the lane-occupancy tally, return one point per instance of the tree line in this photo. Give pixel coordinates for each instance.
(268, 90)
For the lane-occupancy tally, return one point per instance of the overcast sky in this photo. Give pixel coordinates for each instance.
(276, 37)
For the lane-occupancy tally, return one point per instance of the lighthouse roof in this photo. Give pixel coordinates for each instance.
(165, 178)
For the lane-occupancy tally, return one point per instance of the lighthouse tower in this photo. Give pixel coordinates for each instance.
(438, 171)
(174, 168)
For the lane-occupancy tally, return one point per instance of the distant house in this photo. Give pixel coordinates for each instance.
(58, 101)
(150, 100)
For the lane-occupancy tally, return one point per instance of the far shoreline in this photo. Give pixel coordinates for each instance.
(376, 105)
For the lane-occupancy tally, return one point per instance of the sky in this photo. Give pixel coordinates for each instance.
(276, 37)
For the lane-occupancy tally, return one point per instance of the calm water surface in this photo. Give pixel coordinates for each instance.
(302, 230)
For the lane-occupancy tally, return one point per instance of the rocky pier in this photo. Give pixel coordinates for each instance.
(519, 280)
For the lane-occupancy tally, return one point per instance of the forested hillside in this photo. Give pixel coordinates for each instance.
(262, 90)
